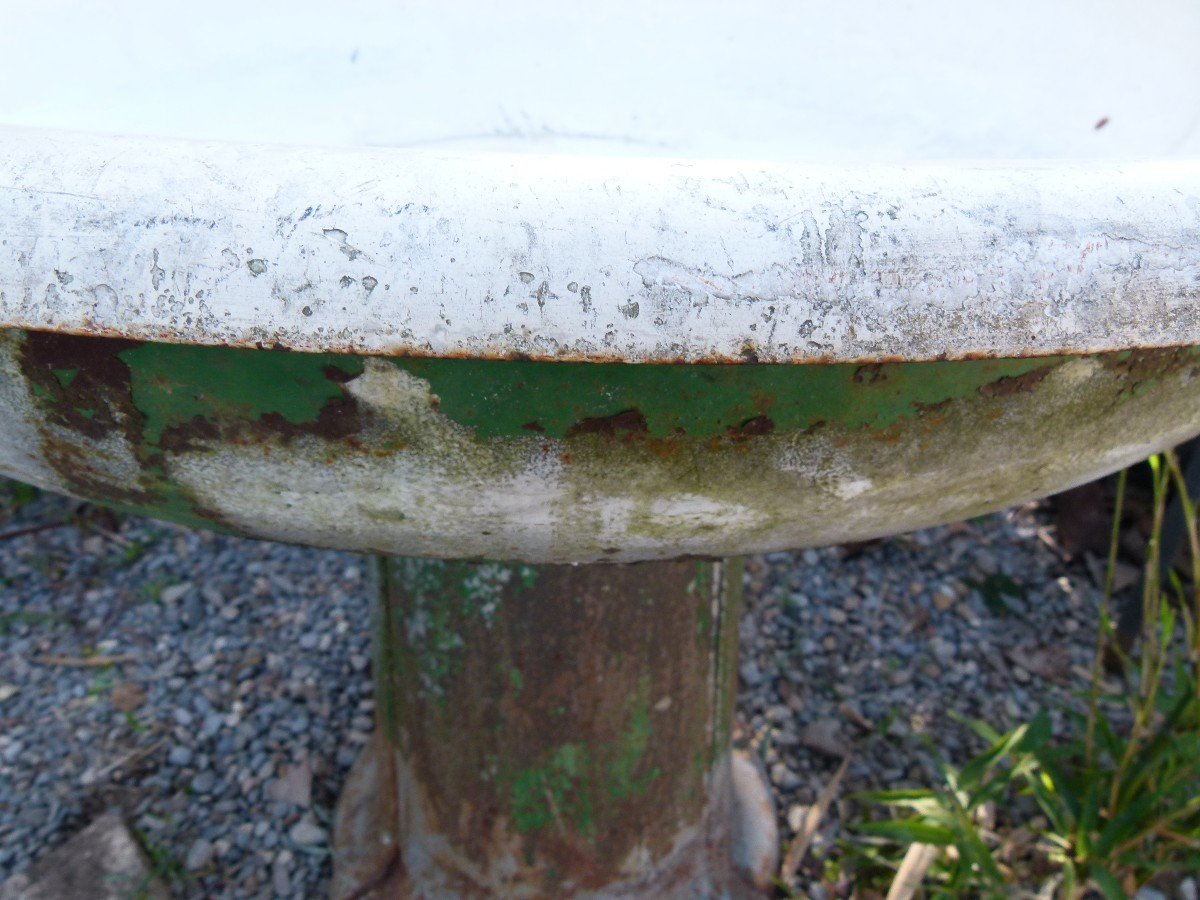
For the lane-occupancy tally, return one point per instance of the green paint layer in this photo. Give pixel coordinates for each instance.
(174, 384)
(510, 398)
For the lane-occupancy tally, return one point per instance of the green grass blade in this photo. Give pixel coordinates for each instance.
(1107, 884)
(909, 831)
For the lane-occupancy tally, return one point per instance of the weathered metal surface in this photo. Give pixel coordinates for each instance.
(570, 462)
(550, 731)
(636, 260)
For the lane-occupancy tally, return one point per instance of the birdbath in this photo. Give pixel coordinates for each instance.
(559, 316)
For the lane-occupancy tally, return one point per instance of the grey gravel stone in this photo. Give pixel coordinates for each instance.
(216, 685)
(901, 654)
(281, 873)
(751, 675)
(175, 592)
(193, 609)
(199, 856)
(213, 722)
(306, 832)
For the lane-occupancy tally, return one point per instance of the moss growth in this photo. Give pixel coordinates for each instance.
(556, 794)
(429, 619)
(442, 601)
(622, 780)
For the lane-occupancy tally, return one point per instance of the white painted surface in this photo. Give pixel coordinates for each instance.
(387, 251)
(785, 80)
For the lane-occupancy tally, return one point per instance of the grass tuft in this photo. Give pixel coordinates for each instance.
(1100, 811)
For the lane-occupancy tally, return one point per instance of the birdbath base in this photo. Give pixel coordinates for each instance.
(552, 731)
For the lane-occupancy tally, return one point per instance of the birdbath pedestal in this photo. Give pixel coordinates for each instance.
(551, 730)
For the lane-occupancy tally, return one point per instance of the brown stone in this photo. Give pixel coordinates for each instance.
(127, 696)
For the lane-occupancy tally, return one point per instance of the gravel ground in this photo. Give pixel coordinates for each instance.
(867, 653)
(226, 733)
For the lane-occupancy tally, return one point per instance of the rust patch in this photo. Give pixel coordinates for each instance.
(94, 398)
(627, 422)
(890, 435)
(195, 435)
(756, 427)
(869, 374)
(1016, 384)
(338, 419)
(1141, 366)
(386, 882)
(663, 448)
(73, 465)
(365, 865)
(338, 376)
(534, 426)
(748, 356)
(928, 408)
(83, 387)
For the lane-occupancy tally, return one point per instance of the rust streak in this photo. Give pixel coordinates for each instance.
(628, 422)
(755, 427)
(1015, 384)
(418, 351)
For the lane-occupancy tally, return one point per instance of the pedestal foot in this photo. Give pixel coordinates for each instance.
(755, 829)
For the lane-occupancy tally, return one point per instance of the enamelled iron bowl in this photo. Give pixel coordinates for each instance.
(648, 284)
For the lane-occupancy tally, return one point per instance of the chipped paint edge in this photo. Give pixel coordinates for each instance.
(409, 252)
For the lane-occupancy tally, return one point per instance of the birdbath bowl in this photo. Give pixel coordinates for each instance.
(559, 314)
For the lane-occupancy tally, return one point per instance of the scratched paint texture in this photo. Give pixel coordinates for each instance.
(570, 462)
(639, 260)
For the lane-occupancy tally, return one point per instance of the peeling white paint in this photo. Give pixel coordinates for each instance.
(672, 260)
(852, 487)
(389, 389)
(682, 513)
